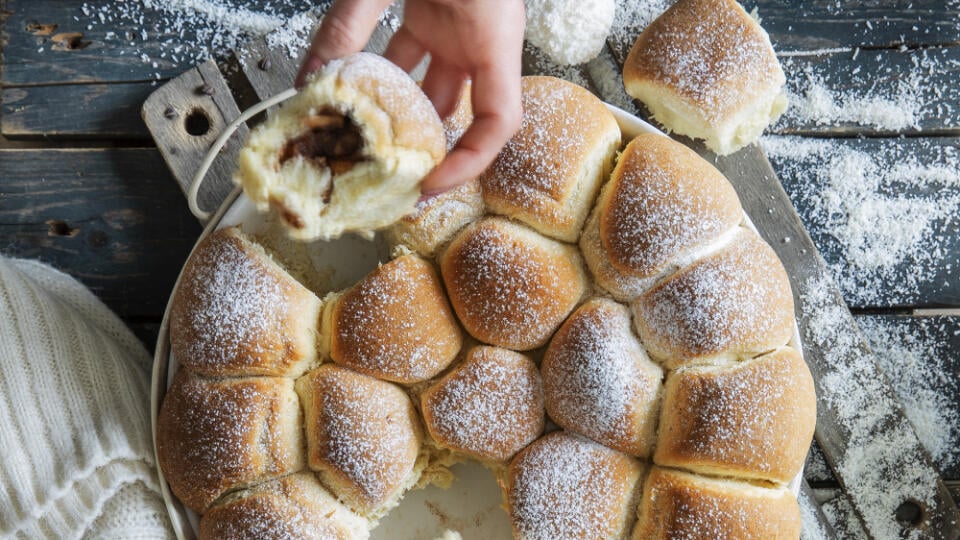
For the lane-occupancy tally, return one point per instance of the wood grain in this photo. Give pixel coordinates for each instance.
(110, 217)
(116, 48)
(89, 111)
(175, 113)
(917, 86)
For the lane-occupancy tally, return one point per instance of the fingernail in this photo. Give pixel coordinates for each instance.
(427, 195)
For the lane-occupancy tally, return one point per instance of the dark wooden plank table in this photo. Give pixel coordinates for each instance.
(83, 187)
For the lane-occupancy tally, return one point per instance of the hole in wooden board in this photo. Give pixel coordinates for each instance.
(58, 227)
(197, 123)
(910, 513)
(69, 41)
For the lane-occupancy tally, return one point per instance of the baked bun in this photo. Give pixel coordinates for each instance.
(437, 219)
(510, 286)
(214, 436)
(566, 486)
(360, 135)
(732, 303)
(741, 420)
(548, 174)
(598, 380)
(706, 69)
(488, 407)
(682, 505)
(363, 437)
(662, 205)
(237, 313)
(294, 507)
(395, 324)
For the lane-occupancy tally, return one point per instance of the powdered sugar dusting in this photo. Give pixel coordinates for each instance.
(510, 287)
(564, 486)
(887, 209)
(632, 16)
(364, 430)
(736, 301)
(915, 357)
(231, 309)
(599, 381)
(882, 463)
(664, 201)
(704, 58)
(396, 323)
(490, 406)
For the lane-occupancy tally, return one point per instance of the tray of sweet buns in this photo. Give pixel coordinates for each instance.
(590, 340)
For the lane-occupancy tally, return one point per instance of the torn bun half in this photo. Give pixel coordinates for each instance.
(347, 153)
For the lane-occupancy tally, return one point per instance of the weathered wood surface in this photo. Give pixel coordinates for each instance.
(186, 116)
(807, 178)
(105, 58)
(108, 216)
(101, 111)
(919, 84)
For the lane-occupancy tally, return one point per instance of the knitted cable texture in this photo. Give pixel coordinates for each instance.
(77, 461)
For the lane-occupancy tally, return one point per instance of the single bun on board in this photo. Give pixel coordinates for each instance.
(706, 69)
(347, 153)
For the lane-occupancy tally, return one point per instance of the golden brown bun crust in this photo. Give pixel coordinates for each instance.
(682, 505)
(566, 486)
(210, 435)
(664, 200)
(400, 98)
(396, 323)
(734, 302)
(743, 420)
(509, 286)
(489, 407)
(437, 219)
(599, 382)
(549, 172)
(363, 435)
(709, 52)
(237, 313)
(295, 507)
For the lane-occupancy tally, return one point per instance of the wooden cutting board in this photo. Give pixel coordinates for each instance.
(187, 114)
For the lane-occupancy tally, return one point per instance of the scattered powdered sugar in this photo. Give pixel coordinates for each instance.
(881, 211)
(887, 90)
(913, 354)
(632, 16)
(294, 36)
(175, 32)
(569, 31)
(565, 486)
(607, 78)
(537, 62)
(599, 381)
(812, 528)
(490, 406)
(882, 465)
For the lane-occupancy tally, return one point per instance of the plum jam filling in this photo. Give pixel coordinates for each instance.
(330, 140)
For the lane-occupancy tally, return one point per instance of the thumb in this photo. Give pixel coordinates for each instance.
(343, 31)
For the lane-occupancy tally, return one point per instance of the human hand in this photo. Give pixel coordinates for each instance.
(480, 40)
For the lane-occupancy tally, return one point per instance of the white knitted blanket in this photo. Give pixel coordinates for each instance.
(76, 459)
